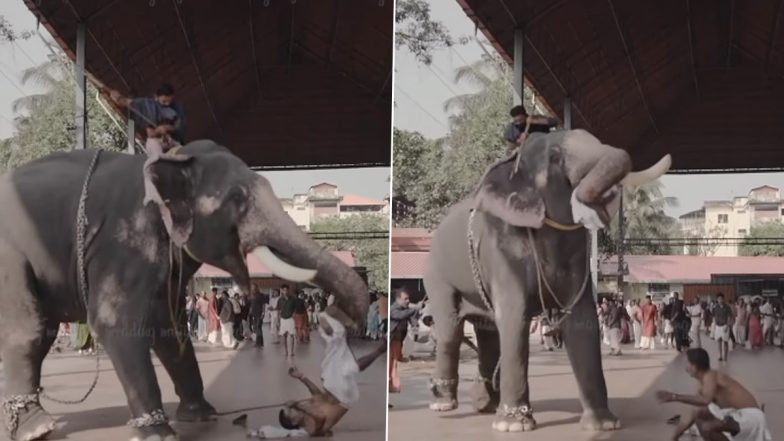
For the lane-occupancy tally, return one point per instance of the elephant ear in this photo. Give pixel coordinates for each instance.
(167, 184)
(511, 189)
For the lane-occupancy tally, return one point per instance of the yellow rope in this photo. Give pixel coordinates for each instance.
(559, 226)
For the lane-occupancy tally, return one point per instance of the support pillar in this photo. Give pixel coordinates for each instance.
(131, 132)
(80, 117)
(517, 76)
(621, 235)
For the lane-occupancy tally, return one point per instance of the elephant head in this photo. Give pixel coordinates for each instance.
(528, 185)
(219, 211)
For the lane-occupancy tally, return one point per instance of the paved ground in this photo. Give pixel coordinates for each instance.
(632, 381)
(234, 379)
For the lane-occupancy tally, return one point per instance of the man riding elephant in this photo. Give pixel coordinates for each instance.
(102, 237)
(516, 248)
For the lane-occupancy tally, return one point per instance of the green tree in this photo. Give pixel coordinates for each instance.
(768, 230)
(644, 218)
(45, 122)
(418, 32)
(370, 253)
(9, 34)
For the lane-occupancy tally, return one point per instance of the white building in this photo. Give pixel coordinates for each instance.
(324, 200)
(732, 219)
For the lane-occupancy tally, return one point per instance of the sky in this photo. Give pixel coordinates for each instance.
(420, 92)
(15, 57)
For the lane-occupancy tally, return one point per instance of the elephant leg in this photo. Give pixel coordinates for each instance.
(179, 359)
(514, 413)
(449, 333)
(486, 396)
(580, 332)
(24, 343)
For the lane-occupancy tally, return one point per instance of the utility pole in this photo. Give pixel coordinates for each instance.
(620, 244)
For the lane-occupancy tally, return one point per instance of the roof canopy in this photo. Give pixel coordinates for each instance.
(283, 83)
(701, 79)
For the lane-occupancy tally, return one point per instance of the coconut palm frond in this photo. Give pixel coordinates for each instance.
(46, 75)
(29, 102)
(473, 74)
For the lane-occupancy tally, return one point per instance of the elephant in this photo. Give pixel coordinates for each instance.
(511, 249)
(150, 224)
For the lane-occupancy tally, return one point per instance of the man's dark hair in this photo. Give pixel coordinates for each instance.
(400, 292)
(285, 422)
(284, 286)
(165, 89)
(699, 358)
(648, 297)
(517, 110)
(719, 295)
(214, 289)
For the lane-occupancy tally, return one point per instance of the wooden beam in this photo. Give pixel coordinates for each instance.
(691, 48)
(333, 34)
(256, 72)
(774, 33)
(196, 65)
(553, 6)
(631, 64)
(732, 30)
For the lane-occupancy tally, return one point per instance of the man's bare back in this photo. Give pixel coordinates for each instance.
(726, 391)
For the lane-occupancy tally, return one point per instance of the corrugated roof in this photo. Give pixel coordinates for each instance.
(257, 269)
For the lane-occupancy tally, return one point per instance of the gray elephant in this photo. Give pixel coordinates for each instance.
(150, 224)
(499, 255)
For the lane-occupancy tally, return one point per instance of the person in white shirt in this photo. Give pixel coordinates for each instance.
(695, 313)
(274, 312)
(768, 322)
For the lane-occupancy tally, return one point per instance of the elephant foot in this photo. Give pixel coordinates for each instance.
(25, 419)
(485, 399)
(600, 421)
(195, 411)
(162, 432)
(445, 391)
(514, 419)
(444, 404)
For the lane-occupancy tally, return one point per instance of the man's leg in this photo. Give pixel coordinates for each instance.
(712, 429)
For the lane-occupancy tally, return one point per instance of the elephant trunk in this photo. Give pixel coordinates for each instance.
(289, 253)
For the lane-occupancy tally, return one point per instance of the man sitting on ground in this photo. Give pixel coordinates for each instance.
(317, 415)
(725, 411)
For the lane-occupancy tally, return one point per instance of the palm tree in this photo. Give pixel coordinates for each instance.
(50, 76)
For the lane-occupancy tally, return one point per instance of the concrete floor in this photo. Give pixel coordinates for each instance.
(233, 379)
(632, 381)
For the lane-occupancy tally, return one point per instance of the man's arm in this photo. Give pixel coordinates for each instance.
(314, 390)
(705, 397)
(398, 313)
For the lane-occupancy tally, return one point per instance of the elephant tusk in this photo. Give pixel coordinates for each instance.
(635, 179)
(281, 268)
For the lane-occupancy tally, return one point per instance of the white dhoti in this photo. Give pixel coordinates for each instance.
(637, 334)
(614, 335)
(287, 326)
(648, 343)
(722, 333)
(740, 334)
(269, 432)
(694, 332)
(212, 337)
(339, 369)
(227, 334)
(753, 426)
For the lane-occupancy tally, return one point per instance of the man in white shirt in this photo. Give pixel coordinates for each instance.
(695, 313)
(768, 320)
(274, 311)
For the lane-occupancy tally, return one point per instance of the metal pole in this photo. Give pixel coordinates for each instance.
(80, 117)
(131, 149)
(620, 244)
(518, 66)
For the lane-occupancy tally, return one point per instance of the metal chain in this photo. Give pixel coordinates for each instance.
(516, 412)
(474, 257)
(11, 408)
(81, 229)
(155, 418)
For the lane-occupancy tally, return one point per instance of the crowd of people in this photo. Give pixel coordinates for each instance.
(674, 323)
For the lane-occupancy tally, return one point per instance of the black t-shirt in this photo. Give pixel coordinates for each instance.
(301, 307)
(722, 314)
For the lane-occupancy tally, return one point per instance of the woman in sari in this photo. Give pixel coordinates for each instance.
(755, 326)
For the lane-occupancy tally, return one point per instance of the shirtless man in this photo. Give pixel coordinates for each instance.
(317, 415)
(726, 411)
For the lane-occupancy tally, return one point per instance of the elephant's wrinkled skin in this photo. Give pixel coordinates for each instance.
(510, 205)
(215, 206)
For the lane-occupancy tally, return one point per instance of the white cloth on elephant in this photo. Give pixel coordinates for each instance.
(339, 368)
(751, 420)
(266, 432)
(585, 215)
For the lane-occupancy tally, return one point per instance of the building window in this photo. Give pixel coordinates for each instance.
(724, 218)
(742, 231)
